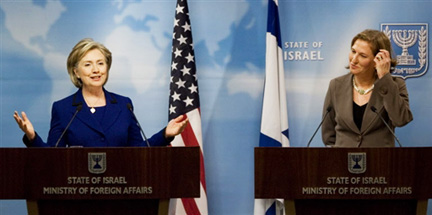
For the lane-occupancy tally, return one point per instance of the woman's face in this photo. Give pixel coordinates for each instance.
(92, 69)
(361, 58)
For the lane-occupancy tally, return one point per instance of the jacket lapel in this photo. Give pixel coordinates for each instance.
(85, 115)
(369, 116)
(112, 112)
(345, 97)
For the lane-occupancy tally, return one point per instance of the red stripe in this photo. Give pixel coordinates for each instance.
(189, 139)
(190, 206)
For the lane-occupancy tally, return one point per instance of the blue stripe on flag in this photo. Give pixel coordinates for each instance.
(273, 21)
(271, 210)
(286, 133)
(266, 141)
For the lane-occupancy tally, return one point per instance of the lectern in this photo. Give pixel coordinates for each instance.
(345, 180)
(99, 180)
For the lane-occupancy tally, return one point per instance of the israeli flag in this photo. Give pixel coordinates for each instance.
(274, 119)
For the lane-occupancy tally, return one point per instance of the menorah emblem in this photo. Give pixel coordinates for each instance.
(405, 39)
(357, 162)
(97, 162)
(410, 43)
(97, 159)
(356, 159)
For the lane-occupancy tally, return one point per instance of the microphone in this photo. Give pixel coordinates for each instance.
(382, 119)
(329, 108)
(129, 106)
(78, 109)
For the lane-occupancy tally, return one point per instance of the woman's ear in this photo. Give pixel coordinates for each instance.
(76, 73)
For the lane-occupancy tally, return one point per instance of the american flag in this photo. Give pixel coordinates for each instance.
(274, 119)
(184, 100)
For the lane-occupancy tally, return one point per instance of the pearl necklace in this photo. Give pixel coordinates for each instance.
(361, 91)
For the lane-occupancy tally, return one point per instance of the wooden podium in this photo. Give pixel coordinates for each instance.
(342, 181)
(99, 180)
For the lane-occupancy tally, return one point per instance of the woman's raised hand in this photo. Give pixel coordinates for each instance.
(25, 125)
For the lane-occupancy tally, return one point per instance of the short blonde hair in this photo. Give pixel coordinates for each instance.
(79, 51)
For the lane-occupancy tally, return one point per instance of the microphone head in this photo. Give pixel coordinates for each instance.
(129, 106)
(373, 108)
(79, 107)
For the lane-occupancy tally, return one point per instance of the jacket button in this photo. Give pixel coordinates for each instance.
(359, 138)
(383, 90)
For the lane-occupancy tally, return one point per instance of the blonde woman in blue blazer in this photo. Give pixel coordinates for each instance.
(94, 117)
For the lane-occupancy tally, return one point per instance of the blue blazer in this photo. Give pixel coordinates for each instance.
(118, 127)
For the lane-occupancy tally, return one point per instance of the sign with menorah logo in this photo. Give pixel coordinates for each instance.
(357, 162)
(410, 44)
(97, 162)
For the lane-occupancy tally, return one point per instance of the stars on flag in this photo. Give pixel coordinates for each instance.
(182, 39)
(184, 86)
(186, 27)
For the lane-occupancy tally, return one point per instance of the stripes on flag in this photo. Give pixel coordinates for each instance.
(274, 119)
(184, 100)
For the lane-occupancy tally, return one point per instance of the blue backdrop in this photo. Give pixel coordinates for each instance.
(37, 36)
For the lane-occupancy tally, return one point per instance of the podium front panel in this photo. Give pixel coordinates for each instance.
(100, 173)
(12, 166)
(343, 173)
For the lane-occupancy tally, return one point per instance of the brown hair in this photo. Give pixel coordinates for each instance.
(79, 51)
(377, 40)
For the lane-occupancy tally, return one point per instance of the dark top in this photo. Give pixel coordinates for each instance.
(358, 112)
